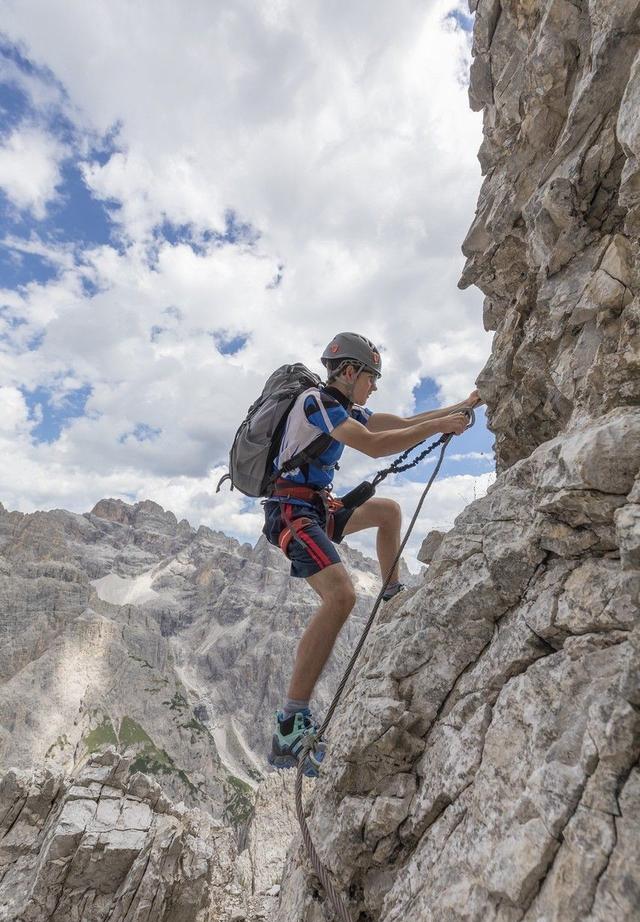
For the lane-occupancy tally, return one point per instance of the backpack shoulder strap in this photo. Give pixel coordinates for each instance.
(315, 392)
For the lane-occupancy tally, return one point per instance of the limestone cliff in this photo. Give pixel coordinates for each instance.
(484, 763)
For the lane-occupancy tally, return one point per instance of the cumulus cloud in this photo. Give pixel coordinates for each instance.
(30, 168)
(44, 93)
(14, 414)
(343, 139)
(60, 256)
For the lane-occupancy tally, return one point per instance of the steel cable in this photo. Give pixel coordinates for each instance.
(335, 897)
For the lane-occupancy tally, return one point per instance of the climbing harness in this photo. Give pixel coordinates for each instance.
(312, 739)
(292, 494)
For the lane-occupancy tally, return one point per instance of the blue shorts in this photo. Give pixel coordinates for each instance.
(315, 550)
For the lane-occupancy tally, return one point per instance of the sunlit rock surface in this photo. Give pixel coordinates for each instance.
(106, 844)
(484, 763)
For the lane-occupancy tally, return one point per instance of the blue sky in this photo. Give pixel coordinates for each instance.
(462, 19)
(476, 443)
(50, 416)
(165, 247)
(73, 216)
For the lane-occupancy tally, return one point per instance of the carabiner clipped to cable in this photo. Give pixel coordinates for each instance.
(312, 753)
(367, 489)
(471, 416)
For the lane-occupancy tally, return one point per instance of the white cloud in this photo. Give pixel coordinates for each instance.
(30, 162)
(444, 502)
(14, 414)
(342, 134)
(60, 256)
(43, 92)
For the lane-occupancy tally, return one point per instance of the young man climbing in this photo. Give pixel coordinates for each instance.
(306, 522)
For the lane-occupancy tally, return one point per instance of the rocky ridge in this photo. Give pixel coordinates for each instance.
(484, 765)
(103, 843)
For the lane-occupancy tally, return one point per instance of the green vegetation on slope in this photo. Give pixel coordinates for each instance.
(150, 759)
(239, 804)
(177, 703)
(101, 736)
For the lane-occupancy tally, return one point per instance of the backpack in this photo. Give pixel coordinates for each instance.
(257, 441)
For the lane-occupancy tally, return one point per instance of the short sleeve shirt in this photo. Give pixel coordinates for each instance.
(323, 412)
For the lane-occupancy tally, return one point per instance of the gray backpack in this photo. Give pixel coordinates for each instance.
(257, 441)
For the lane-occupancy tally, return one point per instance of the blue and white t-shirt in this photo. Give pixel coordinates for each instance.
(317, 412)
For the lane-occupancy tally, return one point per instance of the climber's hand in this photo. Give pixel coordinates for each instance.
(455, 424)
(474, 400)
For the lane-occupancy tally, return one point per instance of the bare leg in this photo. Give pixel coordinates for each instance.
(384, 514)
(334, 587)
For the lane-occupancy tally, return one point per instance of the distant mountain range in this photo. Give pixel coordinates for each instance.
(124, 626)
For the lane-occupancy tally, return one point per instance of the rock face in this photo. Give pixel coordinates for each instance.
(140, 664)
(553, 245)
(484, 763)
(107, 844)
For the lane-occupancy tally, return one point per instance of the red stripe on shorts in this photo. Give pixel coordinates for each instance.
(315, 550)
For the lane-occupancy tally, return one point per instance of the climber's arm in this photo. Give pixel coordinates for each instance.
(382, 422)
(391, 441)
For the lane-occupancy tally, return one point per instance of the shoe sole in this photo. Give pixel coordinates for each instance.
(394, 596)
(283, 762)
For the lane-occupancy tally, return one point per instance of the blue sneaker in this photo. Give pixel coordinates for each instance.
(286, 744)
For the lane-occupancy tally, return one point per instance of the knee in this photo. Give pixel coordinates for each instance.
(391, 514)
(343, 598)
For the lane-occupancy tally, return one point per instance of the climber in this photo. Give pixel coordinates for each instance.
(306, 522)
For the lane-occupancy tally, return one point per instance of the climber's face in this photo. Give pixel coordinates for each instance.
(366, 384)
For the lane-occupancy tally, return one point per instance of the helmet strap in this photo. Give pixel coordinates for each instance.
(350, 388)
(338, 371)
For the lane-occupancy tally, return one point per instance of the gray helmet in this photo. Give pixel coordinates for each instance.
(355, 347)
